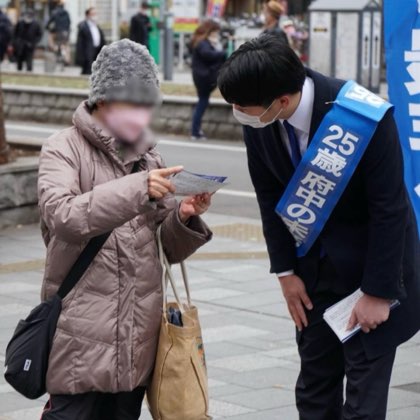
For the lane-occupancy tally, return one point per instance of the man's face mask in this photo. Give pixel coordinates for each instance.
(127, 124)
(255, 120)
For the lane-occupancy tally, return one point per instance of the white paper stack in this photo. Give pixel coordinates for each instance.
(338, 315)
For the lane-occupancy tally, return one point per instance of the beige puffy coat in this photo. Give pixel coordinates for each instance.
(107, 333)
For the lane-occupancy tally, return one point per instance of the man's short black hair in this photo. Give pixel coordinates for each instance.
(260, 71)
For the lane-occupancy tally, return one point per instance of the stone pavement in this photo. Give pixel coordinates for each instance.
(248, 336)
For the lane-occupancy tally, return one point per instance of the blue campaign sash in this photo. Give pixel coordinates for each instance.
(329, 163)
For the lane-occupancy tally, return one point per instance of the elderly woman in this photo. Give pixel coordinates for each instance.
(104, 174)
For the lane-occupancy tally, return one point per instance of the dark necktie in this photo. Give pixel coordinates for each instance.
(294, 144)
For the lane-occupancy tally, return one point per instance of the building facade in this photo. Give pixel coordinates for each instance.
(237, 7)
(111, 13)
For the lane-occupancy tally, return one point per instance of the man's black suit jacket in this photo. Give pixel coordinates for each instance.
(86, 52)
(371, 236)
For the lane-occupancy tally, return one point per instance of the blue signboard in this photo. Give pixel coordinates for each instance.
(402, 43)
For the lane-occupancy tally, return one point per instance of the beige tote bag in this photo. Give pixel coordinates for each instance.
(179, 389)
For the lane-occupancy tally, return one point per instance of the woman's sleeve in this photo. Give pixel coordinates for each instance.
(75, 216)
(208, 53)
(181, 240)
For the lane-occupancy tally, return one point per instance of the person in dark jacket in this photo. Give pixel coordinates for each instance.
(272, 13)
(90, 40)
(140, 26)
(207, 58)
(6, 31)
(60, 19)
(28, 33)
(369, 241)
(59, 27)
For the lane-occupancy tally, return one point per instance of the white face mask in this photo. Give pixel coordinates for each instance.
(255, 120)
(127, 125)
(214, 37)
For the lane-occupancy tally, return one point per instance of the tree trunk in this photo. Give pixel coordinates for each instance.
(4, 147)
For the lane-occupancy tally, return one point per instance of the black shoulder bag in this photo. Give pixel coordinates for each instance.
(28, 351)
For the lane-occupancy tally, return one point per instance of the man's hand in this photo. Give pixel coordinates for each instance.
(369, 312)
(194, 206)
(297, 299)
(158, 183)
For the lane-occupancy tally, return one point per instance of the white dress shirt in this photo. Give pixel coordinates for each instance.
(94, 31)
(301, 118)
(301, 122)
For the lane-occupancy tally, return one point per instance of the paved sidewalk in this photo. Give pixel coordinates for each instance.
(249, 339)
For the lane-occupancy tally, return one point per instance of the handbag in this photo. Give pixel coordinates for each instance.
(28, 351)
(179, 385)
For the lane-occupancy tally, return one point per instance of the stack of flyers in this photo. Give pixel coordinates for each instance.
(338, 315)
(188, 183)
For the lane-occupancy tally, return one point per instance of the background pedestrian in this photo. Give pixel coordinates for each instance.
(6, 30)
(59, 26)
(90, 40)
(140, 26)
(207, 58)
(272, 13)
(28, 33)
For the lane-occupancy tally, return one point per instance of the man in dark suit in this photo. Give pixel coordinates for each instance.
(90, 40)
(369, 241)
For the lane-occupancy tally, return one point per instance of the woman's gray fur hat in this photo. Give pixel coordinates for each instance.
(124, 71)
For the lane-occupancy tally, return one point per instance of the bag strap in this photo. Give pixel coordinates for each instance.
(82, 263)
(88, 254)
(167, 276)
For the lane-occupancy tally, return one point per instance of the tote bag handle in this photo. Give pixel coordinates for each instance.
(168, 276)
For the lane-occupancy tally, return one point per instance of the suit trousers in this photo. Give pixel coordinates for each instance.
(325, 362)
(88, 61)
(95, 406)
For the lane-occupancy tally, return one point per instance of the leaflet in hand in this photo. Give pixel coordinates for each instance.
(188, 183)
(338, 315)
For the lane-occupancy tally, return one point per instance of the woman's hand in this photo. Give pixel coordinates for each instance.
(158, 183)
(194, 206)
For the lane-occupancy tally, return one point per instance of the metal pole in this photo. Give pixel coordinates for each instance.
(114, 21)
(4, 147)
(161, 30)
(181, 51)
(168, 45)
